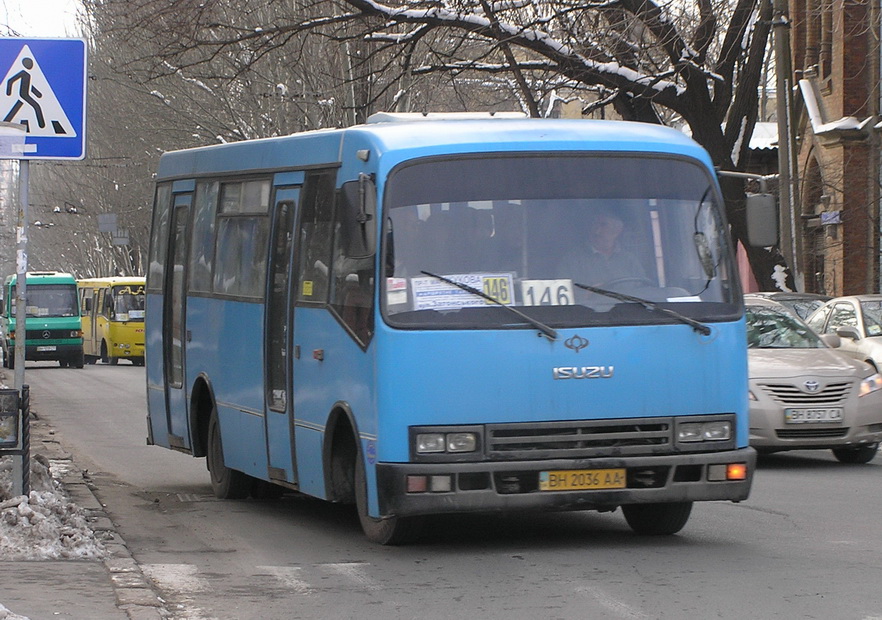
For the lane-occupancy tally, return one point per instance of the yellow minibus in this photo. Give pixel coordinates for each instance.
(113, 319)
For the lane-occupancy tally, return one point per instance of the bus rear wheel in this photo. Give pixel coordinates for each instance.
(657, 519)
(225, 482)
(389, 531)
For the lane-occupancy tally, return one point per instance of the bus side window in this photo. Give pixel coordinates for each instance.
(159, 244)
(315, 239)
(353, 274)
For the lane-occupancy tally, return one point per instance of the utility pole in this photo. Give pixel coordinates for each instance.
(787, 170)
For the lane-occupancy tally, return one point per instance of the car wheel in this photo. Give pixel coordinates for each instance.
(856, 456)
(389, 531)
(657, 519)
(225, 482)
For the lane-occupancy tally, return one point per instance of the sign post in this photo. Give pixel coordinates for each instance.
(43, 92)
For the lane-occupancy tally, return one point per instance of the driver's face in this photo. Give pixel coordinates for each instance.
(605, 230)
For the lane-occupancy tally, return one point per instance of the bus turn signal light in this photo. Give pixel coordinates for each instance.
(727, 472)
(736, 471)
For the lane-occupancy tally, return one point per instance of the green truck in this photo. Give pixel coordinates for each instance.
(54, 330)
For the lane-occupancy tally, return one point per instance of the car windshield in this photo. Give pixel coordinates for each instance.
(45, 300)
(872, 311)
(529, 230)
(770, 328)
(802, 307)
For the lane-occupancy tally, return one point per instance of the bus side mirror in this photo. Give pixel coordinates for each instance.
(87, 305)
(358, 217)
(762, 220)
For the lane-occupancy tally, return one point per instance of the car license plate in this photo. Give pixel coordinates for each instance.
(48, 347)
(813, 416)
(581, 479)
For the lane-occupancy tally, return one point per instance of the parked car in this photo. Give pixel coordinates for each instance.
(804, 394)
(857, 320)
(801, 304)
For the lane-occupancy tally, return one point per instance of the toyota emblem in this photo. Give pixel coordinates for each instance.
(811, 386)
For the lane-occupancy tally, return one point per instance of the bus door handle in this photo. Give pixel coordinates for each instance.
(189, 335)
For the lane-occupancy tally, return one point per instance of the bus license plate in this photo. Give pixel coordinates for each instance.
(581, 479)
(813, 416)
(48, 347)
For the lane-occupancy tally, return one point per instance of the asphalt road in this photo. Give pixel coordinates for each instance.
(806, 544)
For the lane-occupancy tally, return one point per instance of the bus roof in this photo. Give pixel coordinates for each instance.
(43, 277)
(401, 139)
(111, 281)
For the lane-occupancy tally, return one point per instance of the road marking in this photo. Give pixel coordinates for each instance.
(356, 571)
(615, 606)
(176, 577)
(290, 577)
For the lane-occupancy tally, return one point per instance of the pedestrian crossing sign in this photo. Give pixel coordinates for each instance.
(43, 89)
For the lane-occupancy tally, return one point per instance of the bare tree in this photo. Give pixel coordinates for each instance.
(225, 70)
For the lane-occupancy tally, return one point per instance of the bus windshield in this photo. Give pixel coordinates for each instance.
(538, 232)
(46, 300)
(128, 303)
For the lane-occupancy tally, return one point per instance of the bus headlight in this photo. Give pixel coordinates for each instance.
(461, 442)
(429, 443)
(690, 432)
(440, 444)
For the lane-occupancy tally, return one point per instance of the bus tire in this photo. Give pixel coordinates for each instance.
(657, 519)
(104, 358)
(225, 482)
(78, 361)
(389, 531)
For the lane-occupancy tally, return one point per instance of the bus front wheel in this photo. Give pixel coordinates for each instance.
(225, 482)
(389, 531)
(657, 519)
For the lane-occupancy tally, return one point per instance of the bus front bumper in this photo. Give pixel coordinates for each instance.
(52, 352)
(413, 489)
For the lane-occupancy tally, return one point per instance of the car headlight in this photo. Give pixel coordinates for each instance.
(870, 384)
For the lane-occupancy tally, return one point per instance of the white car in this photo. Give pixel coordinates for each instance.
(805, 394)
(857, 320)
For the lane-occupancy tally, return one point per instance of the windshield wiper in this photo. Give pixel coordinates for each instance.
(649, 305)
(542, 327)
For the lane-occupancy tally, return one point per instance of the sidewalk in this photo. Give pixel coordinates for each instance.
(110, 589)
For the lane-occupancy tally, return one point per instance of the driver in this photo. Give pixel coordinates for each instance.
(602, 260)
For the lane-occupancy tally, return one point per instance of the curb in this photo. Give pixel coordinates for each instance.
(135, 594)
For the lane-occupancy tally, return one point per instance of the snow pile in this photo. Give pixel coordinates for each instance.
(5, 614)
(44, 525)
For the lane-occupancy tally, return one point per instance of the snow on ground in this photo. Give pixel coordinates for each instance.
(45, 525)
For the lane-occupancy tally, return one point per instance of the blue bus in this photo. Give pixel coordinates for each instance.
(416, 315)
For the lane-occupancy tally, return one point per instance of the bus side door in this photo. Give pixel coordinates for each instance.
(281, 282)
(174, 327)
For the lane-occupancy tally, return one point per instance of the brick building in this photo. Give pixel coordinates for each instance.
(836, 60)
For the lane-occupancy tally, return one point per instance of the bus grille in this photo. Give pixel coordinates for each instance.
(47, 334)
(579, 439)
(789, 394)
